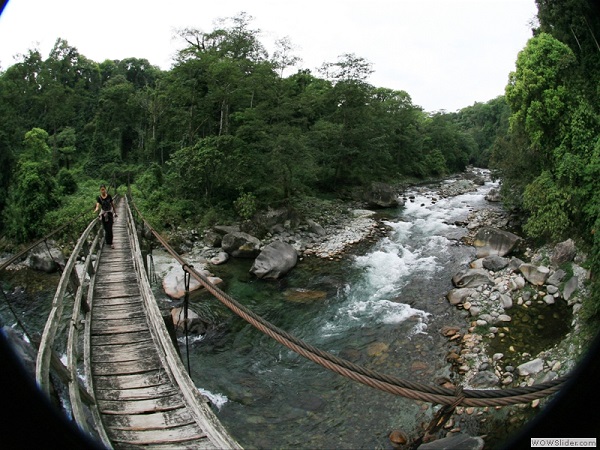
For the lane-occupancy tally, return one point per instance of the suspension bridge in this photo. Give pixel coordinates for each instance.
(127, 385)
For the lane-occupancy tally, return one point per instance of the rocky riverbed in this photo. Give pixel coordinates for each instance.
(520, 305)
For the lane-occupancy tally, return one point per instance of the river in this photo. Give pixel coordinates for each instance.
(381, 306)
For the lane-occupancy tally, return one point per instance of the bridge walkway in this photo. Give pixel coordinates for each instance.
(137, 394)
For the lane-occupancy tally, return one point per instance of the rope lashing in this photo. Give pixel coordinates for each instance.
(387, 383)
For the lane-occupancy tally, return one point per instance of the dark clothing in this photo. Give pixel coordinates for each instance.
(105, 203)
(107, 217)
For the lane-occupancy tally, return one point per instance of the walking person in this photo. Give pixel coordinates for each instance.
(104, 203)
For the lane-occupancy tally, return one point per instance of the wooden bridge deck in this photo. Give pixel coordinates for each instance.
(139, 400)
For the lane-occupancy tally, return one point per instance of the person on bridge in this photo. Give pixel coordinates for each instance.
(104, 203)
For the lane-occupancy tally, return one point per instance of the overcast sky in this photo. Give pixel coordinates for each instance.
(447, 54)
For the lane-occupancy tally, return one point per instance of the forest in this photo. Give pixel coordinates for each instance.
(223, 133)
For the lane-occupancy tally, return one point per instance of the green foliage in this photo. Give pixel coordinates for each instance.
(548, 206)
(31, 197)
(36, 145)
(550, 162)
(245, 205)
(223, 120)
(66, 182)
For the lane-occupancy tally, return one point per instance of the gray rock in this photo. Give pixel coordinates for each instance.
(485, 378)
(241, 245)
(22, 349)
(195, 324)
(212, 239)
(515, 263)
(382, 195)
(316, 228)
(226, 229)
(492, 241)
(471, 278)
(563, 252)
(493, 195)
(274, 261)
(506, 301)
(458, 441)
(487, 317)
(536, 275)
(551, 289)
(494, 262)
(220, 258)
(45, 259)
(549, 299)
(570, 287)
(556, 278)
(458, 296)
(531, 367)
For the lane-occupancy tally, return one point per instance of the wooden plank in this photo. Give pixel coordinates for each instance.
(145, 437)
(121, 313)
(115, 290)
(203, 444)
(141, 406)
(121, 355)
(131, 381)
(110, 322)
(108, 328)
(126, 367)
(103, 326)
(123, 301)
(117, 339)
(116, 277)
(125, 352)
(110, 307)
(137, 393)
(157, 420)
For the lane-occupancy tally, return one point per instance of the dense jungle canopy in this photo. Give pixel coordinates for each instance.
(223, 133)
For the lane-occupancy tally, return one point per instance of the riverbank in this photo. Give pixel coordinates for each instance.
(518, 331)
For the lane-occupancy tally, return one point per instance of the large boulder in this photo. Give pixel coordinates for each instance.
(459, 295)
(220, 258)
(381, 195)
(316, 228)
(570, 287)
(494, 263)
(492, 241)
(536, 275)
(531, 367)
(212, 238)
(563, 252)
(493, 195)
(471, 278)
(174, 283)
(275, 260)
(195, 324)
(45, 258)
(241, 245)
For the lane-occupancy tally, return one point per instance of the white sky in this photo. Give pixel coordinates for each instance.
(447, 54)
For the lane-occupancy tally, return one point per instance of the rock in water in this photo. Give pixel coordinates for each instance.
(275, 260)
